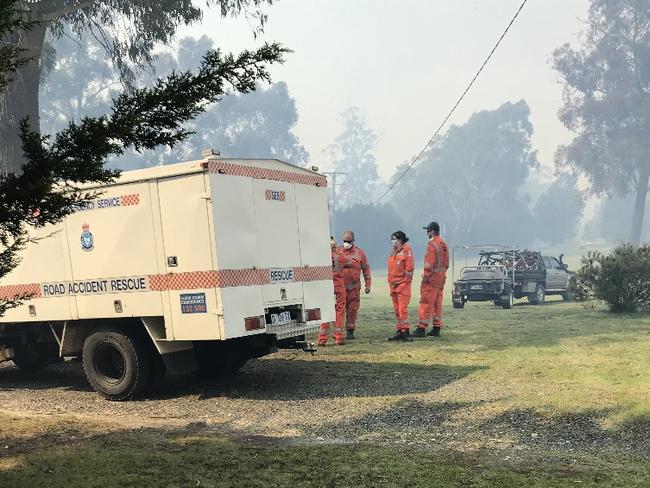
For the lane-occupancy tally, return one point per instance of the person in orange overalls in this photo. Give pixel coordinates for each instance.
(355, 264)
(400, 277)
(338, 261)
(436, 262)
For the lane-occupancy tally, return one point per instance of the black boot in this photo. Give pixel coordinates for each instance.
(435, 332)
(419, 333)
(350, 335)
(401, 335)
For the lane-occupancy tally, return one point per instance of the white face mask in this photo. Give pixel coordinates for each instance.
(347, 245)
(393, 242)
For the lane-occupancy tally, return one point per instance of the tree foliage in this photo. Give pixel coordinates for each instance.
(557, 211)
(352, 153)
(372, 226)
(80, 81)
(621, 279)
(12, 57)
(607, 102)
(128, 31)
(607, 223)
(257, 124)
(470, 179)
(57, 166)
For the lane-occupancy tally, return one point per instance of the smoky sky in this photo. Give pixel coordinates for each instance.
(404, 64)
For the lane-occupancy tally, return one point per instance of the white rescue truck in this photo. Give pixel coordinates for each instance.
(194, 266)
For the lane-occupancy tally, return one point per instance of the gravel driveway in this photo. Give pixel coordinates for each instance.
(328, 399)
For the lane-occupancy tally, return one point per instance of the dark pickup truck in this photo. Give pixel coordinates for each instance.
(504, 276)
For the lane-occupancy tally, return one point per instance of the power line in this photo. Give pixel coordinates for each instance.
(460, 99)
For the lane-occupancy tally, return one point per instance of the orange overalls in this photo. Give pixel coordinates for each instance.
(338, 261)
(355, 263)
(436, 262)
(400, 276)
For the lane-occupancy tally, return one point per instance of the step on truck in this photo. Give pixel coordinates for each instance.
(196, 266)
(505, 275)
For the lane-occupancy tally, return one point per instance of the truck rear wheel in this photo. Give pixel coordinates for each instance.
(117, 364)
(32, 357)
(460, 304)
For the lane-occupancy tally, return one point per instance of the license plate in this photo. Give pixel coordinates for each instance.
(282, 318)
(476, 287)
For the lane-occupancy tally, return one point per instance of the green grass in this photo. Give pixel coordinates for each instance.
(558, 358)
(558, 371)
(169, 459)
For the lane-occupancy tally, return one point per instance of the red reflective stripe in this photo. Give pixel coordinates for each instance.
(226, 168)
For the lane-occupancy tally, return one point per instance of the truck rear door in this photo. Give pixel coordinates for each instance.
(278, 244)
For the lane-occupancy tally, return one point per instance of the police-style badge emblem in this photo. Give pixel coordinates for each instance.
(87, 241)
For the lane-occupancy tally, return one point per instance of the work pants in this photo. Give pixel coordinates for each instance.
(323, 333)
(431, 293)
(352, 302)
(401, 296)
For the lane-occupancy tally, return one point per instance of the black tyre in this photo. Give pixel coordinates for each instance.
(118, 364)
(566, 296)
(538, 296)
(459, 304)
(507, 302)
(32, 357)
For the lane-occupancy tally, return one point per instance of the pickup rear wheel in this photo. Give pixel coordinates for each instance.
(117, 363)
(508, 301)
(537, 297)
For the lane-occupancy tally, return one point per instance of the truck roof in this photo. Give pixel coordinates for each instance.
(176, 169)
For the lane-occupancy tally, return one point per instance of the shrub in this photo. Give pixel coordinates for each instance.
(621, 279)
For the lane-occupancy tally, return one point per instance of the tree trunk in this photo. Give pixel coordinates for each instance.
(20, 99)
(639, 208)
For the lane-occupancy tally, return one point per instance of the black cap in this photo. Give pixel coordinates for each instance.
(432, 226)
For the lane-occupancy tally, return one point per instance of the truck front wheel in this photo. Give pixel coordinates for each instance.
(117, 364)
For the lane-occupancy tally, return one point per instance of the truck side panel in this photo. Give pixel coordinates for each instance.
(188, 248)
(122, 247)
(50, 247)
